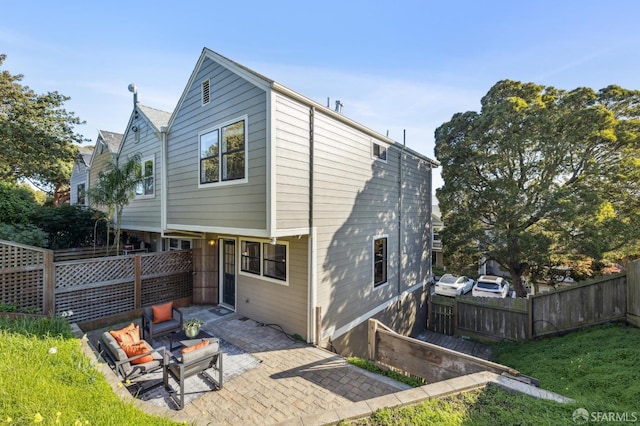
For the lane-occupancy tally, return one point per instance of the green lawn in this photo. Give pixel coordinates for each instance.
(599, 367)
(45, 378)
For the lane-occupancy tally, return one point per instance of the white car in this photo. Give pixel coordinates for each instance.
(451, 285)
(490, 286)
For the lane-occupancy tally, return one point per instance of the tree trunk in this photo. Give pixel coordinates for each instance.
(516, 281)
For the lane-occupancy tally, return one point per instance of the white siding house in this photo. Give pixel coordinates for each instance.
(79, 182)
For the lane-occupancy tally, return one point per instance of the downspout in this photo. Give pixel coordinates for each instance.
(400, 248)
(430, 246)
(163, 179)
(312, 246)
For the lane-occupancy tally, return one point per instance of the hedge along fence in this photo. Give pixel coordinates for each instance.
(604, 299)
(92, 288)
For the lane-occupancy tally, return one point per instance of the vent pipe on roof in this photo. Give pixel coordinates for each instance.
(339, 107)
(134, 89)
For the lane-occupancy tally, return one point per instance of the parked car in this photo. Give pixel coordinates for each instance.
(490, 286)
(452, 285)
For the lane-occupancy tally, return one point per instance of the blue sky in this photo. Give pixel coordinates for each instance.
(396, 66)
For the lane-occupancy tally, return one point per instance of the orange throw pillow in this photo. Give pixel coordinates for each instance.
(133, 349)
(162, 313)
(194, 347)
(129, 334)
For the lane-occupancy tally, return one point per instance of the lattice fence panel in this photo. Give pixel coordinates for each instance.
(22, 275)
(94, 303)
(162, 289)
(82, 273)
(24, 289)
(15, 255)
(168, 262)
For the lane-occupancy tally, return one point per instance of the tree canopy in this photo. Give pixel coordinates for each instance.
(37, 138)
(540, 174)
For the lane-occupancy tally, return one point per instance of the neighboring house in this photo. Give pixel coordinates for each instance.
(298, 215)
(436, 223)
(141, 218)
(79, 182)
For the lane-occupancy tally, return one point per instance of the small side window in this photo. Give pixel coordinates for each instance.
(379, 152)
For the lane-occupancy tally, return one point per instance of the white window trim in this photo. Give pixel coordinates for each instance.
(219, 127)
(153, 161)
(180, 241)
(386, 150)
(261, 277)
(373, 262)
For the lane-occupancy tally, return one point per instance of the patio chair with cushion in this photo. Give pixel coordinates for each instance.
(196, 358)
(129, 355)
(160, 320)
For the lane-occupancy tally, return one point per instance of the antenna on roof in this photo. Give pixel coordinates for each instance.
(134, 89)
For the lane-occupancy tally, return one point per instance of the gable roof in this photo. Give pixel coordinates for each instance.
(267, 84)
(111, 139)
(84, 155)
(157, 118)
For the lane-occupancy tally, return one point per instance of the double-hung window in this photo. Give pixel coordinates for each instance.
(145, 173)
(380, 261)
(379, 152)
(81, 193)
(264, 259)
(223, 153)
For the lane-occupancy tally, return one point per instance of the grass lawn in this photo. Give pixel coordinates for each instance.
(599, 367)
(45, 378)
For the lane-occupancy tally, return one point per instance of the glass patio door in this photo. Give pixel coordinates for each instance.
(228, 268)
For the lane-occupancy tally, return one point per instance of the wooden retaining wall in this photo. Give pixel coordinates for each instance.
(417, 358)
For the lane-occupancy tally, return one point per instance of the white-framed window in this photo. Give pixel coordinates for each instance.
(268, 261)
(378, 152)
(81, 194)
(223, 153)
(206, 94)
(178, 244)
(380, 261)
(145, 172)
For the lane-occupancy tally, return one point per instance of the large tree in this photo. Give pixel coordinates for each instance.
(37, 138)
(540, 174)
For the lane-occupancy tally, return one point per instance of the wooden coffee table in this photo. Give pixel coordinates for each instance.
(179, 339)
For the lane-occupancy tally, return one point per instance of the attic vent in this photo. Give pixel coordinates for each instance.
(205, 92)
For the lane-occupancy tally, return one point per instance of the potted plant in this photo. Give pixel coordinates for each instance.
(192, 326)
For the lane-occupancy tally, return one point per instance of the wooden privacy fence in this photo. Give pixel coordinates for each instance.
(428, 361)
(592, 302)
(92, 288)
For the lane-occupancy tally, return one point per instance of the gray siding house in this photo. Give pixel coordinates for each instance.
(298, 215)
(144, 135)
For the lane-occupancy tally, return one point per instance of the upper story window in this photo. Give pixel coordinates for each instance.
(81, 194)
(223, 152)
(205, 92)
(270, 261)
(380, 261)
(379, 152)
(145, 173)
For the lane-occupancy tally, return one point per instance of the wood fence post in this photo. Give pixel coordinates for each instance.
(529, 318)
(373, 329)
(49, 282)
(454, 317)
(137, 294)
